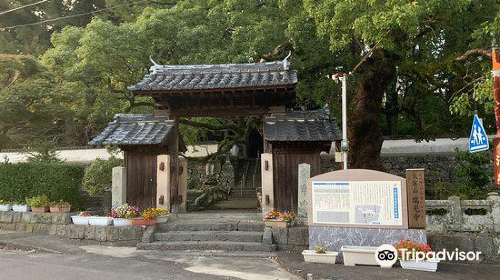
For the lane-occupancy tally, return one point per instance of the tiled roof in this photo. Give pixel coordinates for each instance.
(199, 77)
(301, 126)
(134, 129)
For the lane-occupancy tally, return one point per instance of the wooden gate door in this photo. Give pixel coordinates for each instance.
(286, 173)
(141, 179)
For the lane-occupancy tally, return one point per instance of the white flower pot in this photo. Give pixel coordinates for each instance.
(162, 219)
(100, 221)
(80, 220)
(20, 208)
(362, 255)
(121, 222)
(312, 256)
(421, 265)
(5, 207)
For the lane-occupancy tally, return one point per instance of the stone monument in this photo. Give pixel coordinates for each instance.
(359, 207)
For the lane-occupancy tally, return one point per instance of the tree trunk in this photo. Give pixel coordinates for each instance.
(364, 130)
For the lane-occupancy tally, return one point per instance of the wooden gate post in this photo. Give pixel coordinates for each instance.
(183, 174)
(163, 182)
(267, 182)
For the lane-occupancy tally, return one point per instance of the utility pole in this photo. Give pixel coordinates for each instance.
(345, 143)
(495, 56)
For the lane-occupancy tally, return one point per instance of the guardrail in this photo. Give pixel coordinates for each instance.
(456, 215)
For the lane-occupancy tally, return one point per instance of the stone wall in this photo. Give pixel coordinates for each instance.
(61, 225)
(439, 169)
(292, 238)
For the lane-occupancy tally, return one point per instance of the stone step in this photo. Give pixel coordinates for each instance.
(208, 225)
(237, 236)
(207, 245)
(237, 203)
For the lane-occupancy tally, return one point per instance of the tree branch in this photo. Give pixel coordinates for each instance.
(473, 53)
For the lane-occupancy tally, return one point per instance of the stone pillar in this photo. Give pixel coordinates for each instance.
(455, 213)
(304, 175)
(163, 181)
(495, 210)
(119, 186)
(267, 182)
(183, 174)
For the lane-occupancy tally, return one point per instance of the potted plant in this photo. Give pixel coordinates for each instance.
(123, 214)
(149, 217)
(100, 221)
(38, 203)
(408, 261)
(320, 255)
(20, 207)
(60, 206)
(81, 219)
(275, 218)
(5, 205)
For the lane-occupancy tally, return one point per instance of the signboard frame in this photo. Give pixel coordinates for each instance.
(359, 175)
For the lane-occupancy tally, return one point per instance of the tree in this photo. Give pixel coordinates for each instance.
(395, 40)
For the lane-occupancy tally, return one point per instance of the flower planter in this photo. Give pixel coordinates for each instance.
(278, 224)
(312, 256)
(362, 255)
(121, 222)
(162, 219)
(80, 220)
(39, 209)
(5, 207)
(100, 221)
(57, 209)
(143, 222)
(421, 265)
(20, 208)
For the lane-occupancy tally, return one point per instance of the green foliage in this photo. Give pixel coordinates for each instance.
(38, 201)
(98, 175)
(55, 180)
(472, 175)
(43, 151)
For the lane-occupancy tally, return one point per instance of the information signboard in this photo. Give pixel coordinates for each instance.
(364, 203)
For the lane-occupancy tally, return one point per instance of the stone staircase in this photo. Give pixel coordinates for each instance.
(212, 231)
(244, 194)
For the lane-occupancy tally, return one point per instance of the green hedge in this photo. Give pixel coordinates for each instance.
(56, 180)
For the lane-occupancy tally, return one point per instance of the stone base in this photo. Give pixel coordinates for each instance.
(334, 237)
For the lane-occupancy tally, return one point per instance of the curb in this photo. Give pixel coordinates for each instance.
(9, 245)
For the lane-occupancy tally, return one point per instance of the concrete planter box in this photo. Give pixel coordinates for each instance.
(312, 256)
(162, 219)
(121, 222)
(362, 255)
(279, 224)
(5, 207)
(430, 266)
(80, 220)
(20, 208)
(100, 221)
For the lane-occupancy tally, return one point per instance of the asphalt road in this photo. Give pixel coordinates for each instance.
(121, 264)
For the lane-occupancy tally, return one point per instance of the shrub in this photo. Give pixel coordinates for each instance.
(472, 175)
(56, 180)
(98, 175)
(38, 201)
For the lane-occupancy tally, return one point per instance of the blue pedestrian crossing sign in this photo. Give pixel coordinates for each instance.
(478, 140)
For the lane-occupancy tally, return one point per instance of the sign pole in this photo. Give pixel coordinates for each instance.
(345, 143)
(495, 56)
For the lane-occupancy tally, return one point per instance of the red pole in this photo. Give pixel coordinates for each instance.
(495, 56)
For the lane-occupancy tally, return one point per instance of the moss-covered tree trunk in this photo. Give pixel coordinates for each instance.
(364, 129)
